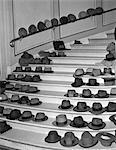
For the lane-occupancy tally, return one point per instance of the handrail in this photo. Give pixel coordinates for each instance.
(16, 39)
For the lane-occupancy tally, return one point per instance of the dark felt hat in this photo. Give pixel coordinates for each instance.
(111, 107)
(38, 69)
(11, 77)
(97, 108)
(65, 105)
(82, 14)
(36, 78)
(14, 114)
(69, 140)
(28, 69)
(54, 22)
(61, 120)
(40, 116)
(32, 89)
(71, 93)
(48, 70)
(81, 107)
(101, 94)
(105, 138)
(32, 29)
(52, 137)
(41, 26)
(78, 122)
(34, 101)
(23, 100)
(97, 124)
(18, 69)
(24, 88)
(26, 116)
(87, 140)
(92, 82)
(22, 32)
(27, 78)
(91, 11)
(78, 82)
(45, 60)
(71, 18)
(99, 11)
(86, 93)
(20, 77)
(63, 20)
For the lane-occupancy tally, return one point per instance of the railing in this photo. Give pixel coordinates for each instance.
(19, 38)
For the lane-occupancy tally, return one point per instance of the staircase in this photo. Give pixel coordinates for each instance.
(30, 135)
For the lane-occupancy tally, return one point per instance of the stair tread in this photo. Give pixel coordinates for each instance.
(78, 57)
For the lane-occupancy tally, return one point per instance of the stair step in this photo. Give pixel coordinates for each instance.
(101, 40)
(110, 35)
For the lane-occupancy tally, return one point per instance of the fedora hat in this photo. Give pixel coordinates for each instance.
(48, 70)
(96, 72)
(24, 88)
(40, 116)
(11, 77)
(71, 18)
(26, 55)
(82, 15)
(17, 86)
(6, 111)
(61, 120)
(108, 71)
(77, 42)
(69, 140)
(52, 137)
(14, 114)
(54, 22)
(91, 11)
(105, 138)
(81, 107)
(9, 86)
(27, 78)
(101, 94)
(26, 116)
(36, 78)
(78, 72)
(108, 81)
(89, 71)
(23, 100)
(37, 61)
(71, 93)
(4, 126)
(78, 122)
(3, 97)
(22, 32)
(35, 101)
(18, 69)
(47, 23)
(111, 107)
(92, 82)
(15, 98)
(86, 93)
(87, 140)
(96, 124)
(63, 20)
(32, 29)
(65, 105)
(45, 60)
(113, 92)
(32, 89)
(20, 77)
(38, 69)
(99, 11)
(113, 118)
(41, 26)
(28, 69)
(78, 82)
(97, 108)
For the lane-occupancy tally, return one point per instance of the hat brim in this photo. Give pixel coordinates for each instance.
(97, 96)
(90, 96)
(61, 125)
(48, 71)
(96, 127)
(63, 143)
(81, 110)
(97, 112)
(96, 84)
(77, 126)
(95, 141)
(75, 95)
(40, 120)
(25, 119)
(75, 85)
(64, 108)
(52, 141)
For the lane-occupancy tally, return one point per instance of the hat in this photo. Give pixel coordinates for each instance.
(37, 61)
(38, 69)
(32, 89)
(41, 26)
(36, 78)
(89, 71)
(23, 100)
(18, 69)
(65, 105)
(11, 77)
(4, 126)
(28, 78)
(52, 137)
(35, 101)
(111, 107)
(71, 93)
(113, 118)
(14, 114)
(87, 140)
(40, 116)
(105, 138)
(108, 81)
(113, 92)
(97, 124)
(20, 77)
(22, 32)
(17, 86)
(45, 60)
(99, 11)
(96, 72)
(61, 120)
(28, 69)
(48, 70)
(102, 94)
(15, 98)
(91, 11)
(82, 14)
(108, 71)
(61, 54)
(6, 111)
(9, 86)
(78, 122)
(24, 88)
(71, 18)
(3, 97)
(59, 45)
(47, 23)
(97, 108)
(111, 47)
(86, 93)
(78, 72)
(26, 116)
(78, 82)
(63, 20)
(77, 42)
(81, 107)
(109, 57)
(54, 22)
(69, 140)
(92, 82)
(32, 29)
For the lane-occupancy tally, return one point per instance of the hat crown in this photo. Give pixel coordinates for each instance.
(97, 121)
(65, 103)
(61, 118)
(26, 114)
(86, 92)
(53, 135)
(79, 71)
(87, 138)
(97, 106)
(78, 120)
(40, 115)
(81, 105)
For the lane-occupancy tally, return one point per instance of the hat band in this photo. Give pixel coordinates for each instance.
(61, 123)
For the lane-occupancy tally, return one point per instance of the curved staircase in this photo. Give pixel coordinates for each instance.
(30, 135)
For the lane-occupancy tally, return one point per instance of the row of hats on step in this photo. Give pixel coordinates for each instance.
(87, 140)
(43, 25)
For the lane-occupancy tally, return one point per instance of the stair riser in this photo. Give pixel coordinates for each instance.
(90, 54)
(92, 41)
